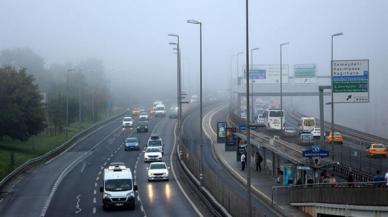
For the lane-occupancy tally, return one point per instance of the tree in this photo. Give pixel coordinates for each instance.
(21, 110)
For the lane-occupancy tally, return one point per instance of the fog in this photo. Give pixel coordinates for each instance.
(130, 38)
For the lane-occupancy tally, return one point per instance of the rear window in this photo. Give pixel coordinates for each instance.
(131, 140)
(378, 146)
(158, 166)
(127, 119)
(155, 143)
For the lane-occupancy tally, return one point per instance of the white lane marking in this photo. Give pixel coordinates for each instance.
(105, 164)
(108, 159)
(97, 178)
(177, 180)
(111, 155)
(77, 206)
(83, 167)
(99, 172)
(101, 167)
(94, 192)
(95, 184)
(94, 200)
(94, 210)
(138, 195)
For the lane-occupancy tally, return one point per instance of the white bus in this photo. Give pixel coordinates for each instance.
(307, 124)
(273, 118)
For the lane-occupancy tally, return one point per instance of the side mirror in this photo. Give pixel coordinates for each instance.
(101, 189)
(135, 187)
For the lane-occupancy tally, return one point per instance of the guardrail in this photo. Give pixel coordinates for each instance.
(52, 153)
(349, 193)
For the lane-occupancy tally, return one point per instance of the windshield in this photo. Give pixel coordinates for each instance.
(152, 150)
(142, 119)
(131, 140)
(275, 113)
(309, 122)
(154, 143)
(157, 166)
(378, 146)
(118, 185)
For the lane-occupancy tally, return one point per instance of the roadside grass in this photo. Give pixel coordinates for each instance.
(33, 147)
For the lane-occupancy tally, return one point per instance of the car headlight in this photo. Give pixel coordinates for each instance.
(106, 195)
(131, 194)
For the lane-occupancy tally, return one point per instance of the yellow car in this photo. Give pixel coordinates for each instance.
(336, 138)
(136, 111)
(377, 150)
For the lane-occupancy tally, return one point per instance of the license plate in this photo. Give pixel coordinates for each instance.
(119, 204)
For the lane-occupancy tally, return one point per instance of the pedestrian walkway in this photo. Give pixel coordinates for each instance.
(261, 182)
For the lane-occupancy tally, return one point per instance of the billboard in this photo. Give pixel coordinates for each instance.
(268, 74)
(350, 81)
(221, 130)
(305, 73)
(230, 139)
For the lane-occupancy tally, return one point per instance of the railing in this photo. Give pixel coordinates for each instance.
(349, 193)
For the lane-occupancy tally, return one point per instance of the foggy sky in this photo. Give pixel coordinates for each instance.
(130, 36)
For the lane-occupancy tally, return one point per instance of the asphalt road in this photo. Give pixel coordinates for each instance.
(191, 132)
(80, 171)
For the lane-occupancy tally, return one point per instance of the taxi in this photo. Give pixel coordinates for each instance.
(377, 150)
(336, 138)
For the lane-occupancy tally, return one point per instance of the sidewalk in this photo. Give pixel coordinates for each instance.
(261, 182)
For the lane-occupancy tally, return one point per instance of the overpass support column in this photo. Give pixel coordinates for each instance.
(274, 166)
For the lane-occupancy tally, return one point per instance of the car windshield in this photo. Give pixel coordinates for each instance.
(157, 166)
(152, 150)
(275, 113)
(142, 119)
(378, 146)
(143, 123)
(337, 133)
(154, 143)
(118, 184)
(309, 122)
(127, 119)
(131, 140)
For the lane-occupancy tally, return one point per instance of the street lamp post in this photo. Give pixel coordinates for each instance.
(252, 101)
(249, 152)
(67, 101)
(332, 93)
(179, 104)
(200, 98)
(281, 82)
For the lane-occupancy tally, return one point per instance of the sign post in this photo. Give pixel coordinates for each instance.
(351, 81)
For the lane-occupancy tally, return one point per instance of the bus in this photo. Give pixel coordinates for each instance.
(307, 124)
(273, 118)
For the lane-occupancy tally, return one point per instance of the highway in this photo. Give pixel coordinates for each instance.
(69, 184)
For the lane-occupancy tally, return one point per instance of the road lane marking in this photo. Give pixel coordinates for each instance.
(95, 184)
(94, 192)
(77, 206)
(177, 180)
(83, 167)
(108, 159)
(94, 210)
(94, 200)
(97, 178)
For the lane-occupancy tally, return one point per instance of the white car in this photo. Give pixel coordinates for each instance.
(260, 121)
(160, 110)
(157, 171)
(152, 154)
(143, 116)
(316, 132)
(127, 122)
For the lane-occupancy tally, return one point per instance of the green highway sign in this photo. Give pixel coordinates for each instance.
(350, 81)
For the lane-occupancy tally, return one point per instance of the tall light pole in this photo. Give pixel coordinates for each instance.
(200, 98)
(179, 104)
(281, 82)
(251, 68)
(67, 101)
(249, 152)
(332, 94)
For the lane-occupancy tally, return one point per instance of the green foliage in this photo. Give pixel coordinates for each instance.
(21, 112)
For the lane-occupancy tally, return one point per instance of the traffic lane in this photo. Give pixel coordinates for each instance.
(191, 125)
(162, 198)
(78, 192)
(29, 194)
(81, 186)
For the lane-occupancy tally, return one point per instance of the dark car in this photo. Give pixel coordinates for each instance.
(142, 126)
(131, 143)
(290, 131)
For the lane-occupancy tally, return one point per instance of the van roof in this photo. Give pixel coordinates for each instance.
(117, 171)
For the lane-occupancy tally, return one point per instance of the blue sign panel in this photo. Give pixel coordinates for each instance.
(258, 74)
(242, 128)
(315, 151)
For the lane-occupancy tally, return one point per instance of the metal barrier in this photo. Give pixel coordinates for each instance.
(349, 193)
(54, 152)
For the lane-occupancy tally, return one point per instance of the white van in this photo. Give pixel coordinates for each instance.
(118, 189)
(160, 110)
